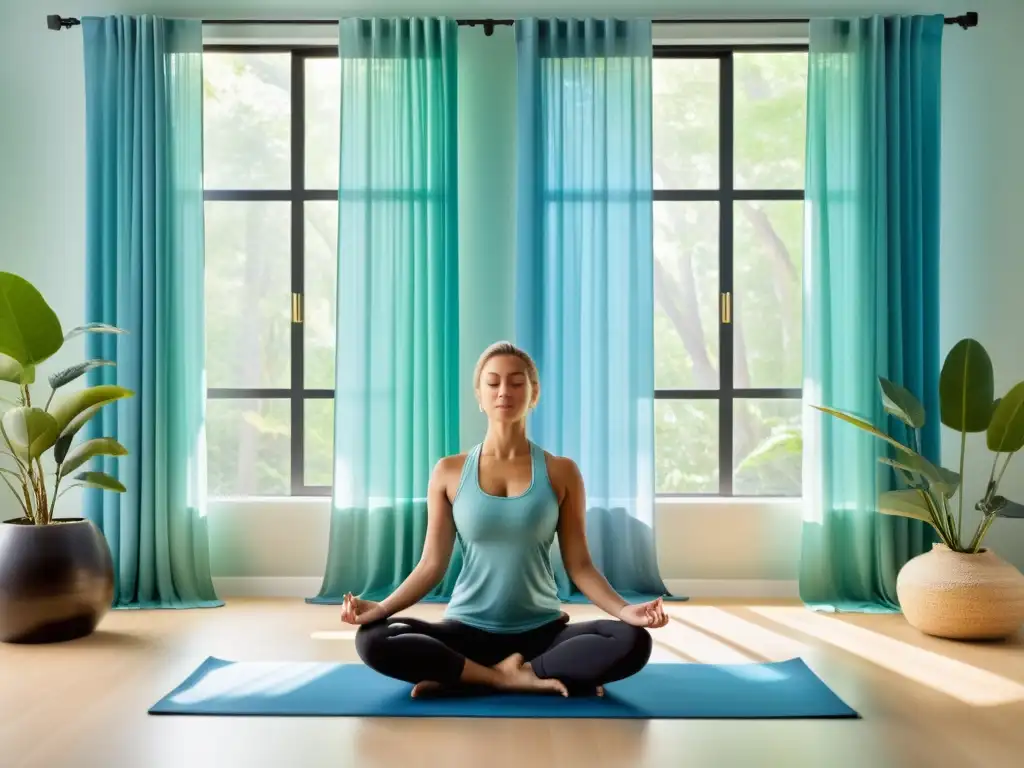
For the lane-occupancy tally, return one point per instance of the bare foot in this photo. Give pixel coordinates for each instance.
(425, 688)
(518, 675)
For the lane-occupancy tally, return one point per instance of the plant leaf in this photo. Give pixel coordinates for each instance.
(91, 397)
(910, 476)
(939, 478)
(1006, 432)
(101, 446)
(69, 374)
(79, 421)
(902, 404)
(92, 328)
(866, 426)
(1003, 507)
(60, 448)
(905, 504)
(30, 430)
(29, 330)
(10, 369)
(966, 388)
(100, 480)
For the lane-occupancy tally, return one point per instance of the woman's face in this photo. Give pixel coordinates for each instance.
(504, 390)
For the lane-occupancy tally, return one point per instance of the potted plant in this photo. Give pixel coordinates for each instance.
(56, 574)
(959, 589)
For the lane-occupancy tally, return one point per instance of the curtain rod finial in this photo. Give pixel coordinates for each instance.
(57, 23)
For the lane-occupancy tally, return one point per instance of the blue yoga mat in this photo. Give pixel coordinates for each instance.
(786, 689)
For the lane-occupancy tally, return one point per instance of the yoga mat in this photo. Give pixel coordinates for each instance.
(786, 689)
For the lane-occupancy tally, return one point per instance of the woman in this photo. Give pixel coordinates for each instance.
(504, 628)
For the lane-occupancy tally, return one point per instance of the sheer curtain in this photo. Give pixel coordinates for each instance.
(584, 274)
(397, 359)
(144, 274)
(871, 292)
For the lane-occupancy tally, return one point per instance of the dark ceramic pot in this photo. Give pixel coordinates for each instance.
(56, 581)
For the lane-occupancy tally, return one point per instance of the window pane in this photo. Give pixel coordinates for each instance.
(323, 118)
(767, 446)
(249, 447)
(685, 104)
(767, 296)
(770, 94)
(321, 275)
(686, 291)
(248, 294)
(247, 119)
(686, 446)
(319, 442)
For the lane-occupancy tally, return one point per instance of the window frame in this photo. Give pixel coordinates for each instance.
(726, 196)
(297, 196)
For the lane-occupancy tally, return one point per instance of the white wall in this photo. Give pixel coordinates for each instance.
(42, 224)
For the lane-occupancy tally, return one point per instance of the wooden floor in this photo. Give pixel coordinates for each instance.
(923, 701)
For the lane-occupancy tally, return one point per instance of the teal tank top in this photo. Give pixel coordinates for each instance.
(506, 583)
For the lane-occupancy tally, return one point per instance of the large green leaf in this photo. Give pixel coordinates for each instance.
(69, 374)
(967, 388)
(101, 446)
(30, 430)
(940, 479)
(1006, 432)
(902, 404)
(92, 397)
(905, 504)
(91, 328)
(864, 425)
(29, 330)
(77, 423)
(10, 369)
(1006, 508)
(100, 480)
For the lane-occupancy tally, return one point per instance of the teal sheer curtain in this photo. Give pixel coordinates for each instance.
(144, 274)
(584, 275)
(397, 390)
(871, 292)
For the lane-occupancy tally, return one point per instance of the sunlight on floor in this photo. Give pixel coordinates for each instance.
(264, 678)
(746, 634)
(690, 644)
(968, 684)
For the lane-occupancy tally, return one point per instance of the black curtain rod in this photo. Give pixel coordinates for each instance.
(965, 21)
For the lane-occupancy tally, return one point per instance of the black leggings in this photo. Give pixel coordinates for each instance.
(582, 656)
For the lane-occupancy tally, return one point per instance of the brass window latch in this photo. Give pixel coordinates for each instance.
(726, 307)
(296, 307)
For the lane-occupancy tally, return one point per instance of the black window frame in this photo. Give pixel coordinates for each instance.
(297, 195)
(726, 195)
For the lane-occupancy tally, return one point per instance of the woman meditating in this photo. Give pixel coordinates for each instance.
(504, 628)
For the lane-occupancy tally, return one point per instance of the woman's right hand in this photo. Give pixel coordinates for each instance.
(356, 611)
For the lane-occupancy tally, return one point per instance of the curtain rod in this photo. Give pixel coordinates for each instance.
(965, 21)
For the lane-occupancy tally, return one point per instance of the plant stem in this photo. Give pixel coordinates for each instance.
(56, 487)
(27, 396)
(940, 521)
(50, 400)
(1005, 465)
(960, 499)
(982, 531)
(44, 503)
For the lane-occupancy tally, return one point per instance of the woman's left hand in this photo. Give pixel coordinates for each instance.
(651, 615)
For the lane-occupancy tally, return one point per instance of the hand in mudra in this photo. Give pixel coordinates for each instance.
(651, 615)
(356, 611)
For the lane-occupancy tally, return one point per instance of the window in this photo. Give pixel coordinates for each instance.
(271, 120)
(728, 215)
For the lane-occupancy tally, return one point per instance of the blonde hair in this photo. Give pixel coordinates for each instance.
(508, 348)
